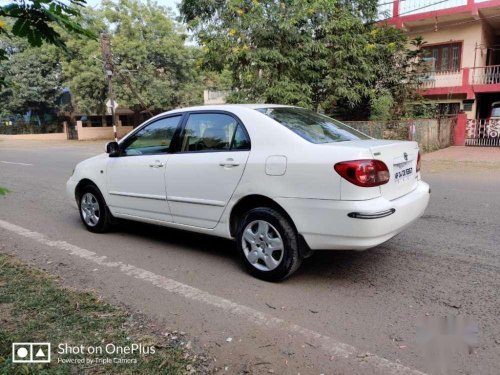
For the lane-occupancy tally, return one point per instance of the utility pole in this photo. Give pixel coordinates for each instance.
(108, 70)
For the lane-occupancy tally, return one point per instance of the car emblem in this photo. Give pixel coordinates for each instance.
(405, 156)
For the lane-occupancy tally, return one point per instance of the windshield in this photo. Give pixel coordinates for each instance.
(312, 126)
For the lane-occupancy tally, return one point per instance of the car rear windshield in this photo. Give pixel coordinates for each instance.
(312, 126)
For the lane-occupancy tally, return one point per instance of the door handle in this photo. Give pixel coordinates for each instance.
(157, 164)
(229, 163)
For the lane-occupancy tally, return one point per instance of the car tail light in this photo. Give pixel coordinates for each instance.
(418, 162)
(365, 173)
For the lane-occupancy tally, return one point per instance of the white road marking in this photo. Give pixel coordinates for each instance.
(11, 162)
(326, 343)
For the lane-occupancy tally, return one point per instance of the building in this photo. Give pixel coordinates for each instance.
(211, 97)
(463, 43)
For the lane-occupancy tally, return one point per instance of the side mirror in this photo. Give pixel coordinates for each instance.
(113, 149)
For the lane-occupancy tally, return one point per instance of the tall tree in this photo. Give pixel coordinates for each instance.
(33, 82)
(313, 53)
(154, 69)
(83, 69)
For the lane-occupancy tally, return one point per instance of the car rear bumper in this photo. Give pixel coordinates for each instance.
(356, 225)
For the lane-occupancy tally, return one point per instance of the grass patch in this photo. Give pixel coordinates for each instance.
(4, 191)
(35, 308)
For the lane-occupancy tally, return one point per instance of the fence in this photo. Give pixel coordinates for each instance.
(62, 131)
(431, 134)
(26, 131)
(483, 132)
(31, 128)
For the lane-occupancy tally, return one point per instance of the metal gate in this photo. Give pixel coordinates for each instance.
(483, 132)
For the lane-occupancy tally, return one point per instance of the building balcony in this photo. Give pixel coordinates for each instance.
(466, 81)
(416, 13)
(441, 79)
(486, 75)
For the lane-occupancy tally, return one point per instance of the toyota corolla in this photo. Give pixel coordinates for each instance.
(282, 181)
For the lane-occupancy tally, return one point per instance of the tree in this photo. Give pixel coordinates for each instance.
(33, 82)
(35, 20)
(312, 53)
(83, 69)
(40, 21)
(154, 69)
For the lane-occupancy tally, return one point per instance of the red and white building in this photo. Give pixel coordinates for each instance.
(463, 43)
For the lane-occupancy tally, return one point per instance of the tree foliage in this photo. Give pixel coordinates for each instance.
(312, 53)
(154, 69)
(83, 69)
(33, 85)
(39, 21)
(35, 20)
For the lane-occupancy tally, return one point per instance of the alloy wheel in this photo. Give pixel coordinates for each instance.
(90, 209)
(262, 245)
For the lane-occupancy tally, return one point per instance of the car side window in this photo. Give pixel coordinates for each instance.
(240, 140)
(155, 138)
(207, 132)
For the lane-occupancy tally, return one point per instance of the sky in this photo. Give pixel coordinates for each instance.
(172, 4)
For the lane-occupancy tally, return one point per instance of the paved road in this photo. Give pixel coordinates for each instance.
(341, 313)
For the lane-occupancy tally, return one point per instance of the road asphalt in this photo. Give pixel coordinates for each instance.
(342, 313)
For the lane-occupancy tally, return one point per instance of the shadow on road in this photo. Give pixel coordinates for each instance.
(327, 265)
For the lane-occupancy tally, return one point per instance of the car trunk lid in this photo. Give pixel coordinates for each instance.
(401, 160)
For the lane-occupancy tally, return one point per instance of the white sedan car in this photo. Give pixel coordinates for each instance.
(283, 181)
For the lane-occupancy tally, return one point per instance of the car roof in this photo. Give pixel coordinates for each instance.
(222, 107)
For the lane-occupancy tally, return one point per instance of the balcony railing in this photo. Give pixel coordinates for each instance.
(421, 6)
(485, 75)
(388, 9)
(441, 79)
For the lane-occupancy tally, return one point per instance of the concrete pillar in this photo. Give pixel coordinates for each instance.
(79, 129)
(460, 129)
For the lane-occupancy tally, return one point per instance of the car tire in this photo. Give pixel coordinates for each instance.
(260, 233)
(94, 212)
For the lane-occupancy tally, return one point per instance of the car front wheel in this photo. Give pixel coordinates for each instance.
(268, 244)
(93, 210)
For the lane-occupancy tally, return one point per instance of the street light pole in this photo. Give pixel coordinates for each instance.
(108, 70)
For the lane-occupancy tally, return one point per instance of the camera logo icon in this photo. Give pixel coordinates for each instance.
(31, 352)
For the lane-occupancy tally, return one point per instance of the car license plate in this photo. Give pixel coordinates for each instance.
(402, 171)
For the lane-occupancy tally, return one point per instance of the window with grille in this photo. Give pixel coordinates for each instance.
(447, 57)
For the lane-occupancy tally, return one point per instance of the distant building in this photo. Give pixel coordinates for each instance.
(463, 47)
(214, 97)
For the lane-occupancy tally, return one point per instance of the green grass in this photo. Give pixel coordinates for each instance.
(35, 308)
(3, 191)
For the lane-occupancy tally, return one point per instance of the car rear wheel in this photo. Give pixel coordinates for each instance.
(268, 244)
(93, 210)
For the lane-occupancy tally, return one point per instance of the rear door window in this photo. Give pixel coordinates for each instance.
(213, 132)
